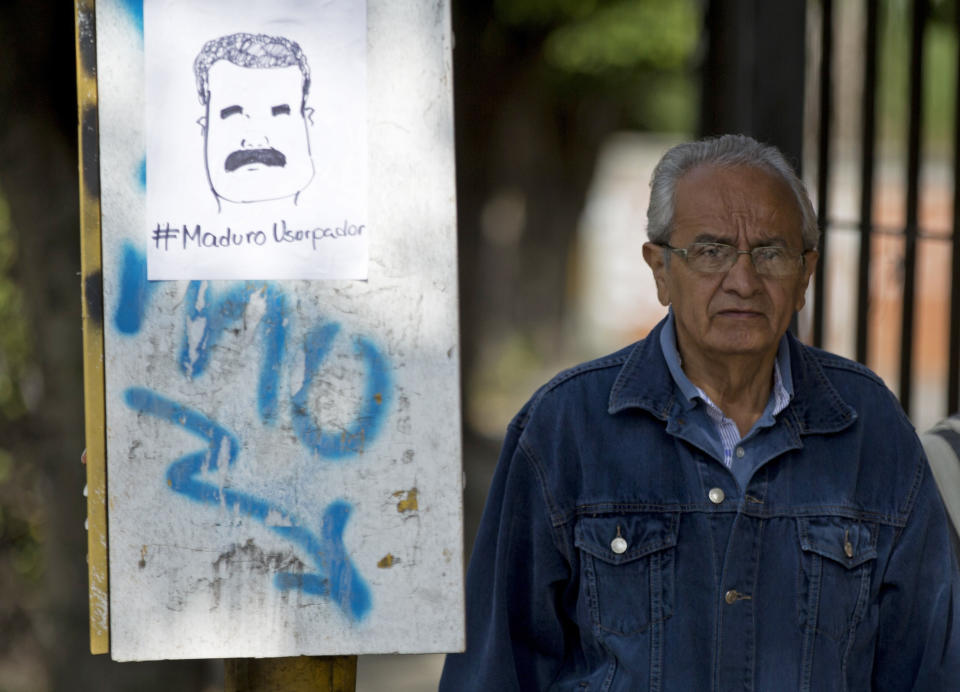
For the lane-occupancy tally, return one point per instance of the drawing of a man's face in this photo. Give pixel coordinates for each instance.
(256, 126)
(258, 146)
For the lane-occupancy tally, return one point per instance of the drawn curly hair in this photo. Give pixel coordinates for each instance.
(249, 50)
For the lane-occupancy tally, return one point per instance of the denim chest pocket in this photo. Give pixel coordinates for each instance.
(627, 563)
(837, 560)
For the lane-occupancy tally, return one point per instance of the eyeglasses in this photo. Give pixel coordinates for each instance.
(717, 258)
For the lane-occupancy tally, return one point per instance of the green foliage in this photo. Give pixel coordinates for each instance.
(664, 102)
(640, 54)
(6, 468)
(658, 35)
(941, 11)
(21, 521)
(537, 13)
(939, 80)
(15, 346)
(939, 70)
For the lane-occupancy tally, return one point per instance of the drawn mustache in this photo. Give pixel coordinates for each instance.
(241, 157)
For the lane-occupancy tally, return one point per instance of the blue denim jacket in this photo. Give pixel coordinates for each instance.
(615, 553)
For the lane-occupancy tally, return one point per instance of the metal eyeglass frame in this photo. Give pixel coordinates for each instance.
(683, 252)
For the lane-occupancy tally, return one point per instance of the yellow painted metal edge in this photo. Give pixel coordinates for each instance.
(92, 296)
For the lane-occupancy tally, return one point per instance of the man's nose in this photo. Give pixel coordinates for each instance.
(742, 277)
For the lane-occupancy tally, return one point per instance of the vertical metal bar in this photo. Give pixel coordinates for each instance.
(953, 357)
(91, 290)
(823, 163)
(867, 164)
(913, 199)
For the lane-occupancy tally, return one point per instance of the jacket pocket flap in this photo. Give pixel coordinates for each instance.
(846, 541)
(618, 539)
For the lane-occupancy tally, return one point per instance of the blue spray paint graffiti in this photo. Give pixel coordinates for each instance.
(135, 291)
(209, 312)
(134, 9)
(217, 312)
(351, 439)
(336, 576)
(273, 334)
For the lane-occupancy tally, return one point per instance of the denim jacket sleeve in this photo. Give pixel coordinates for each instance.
(918, 643)
(515, 637)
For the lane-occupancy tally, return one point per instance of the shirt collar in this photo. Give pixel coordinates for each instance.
(782, 381)
(645, 381)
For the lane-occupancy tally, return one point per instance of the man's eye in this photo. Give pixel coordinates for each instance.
(282, 109)
(768, 254)
(707, 250)
(230, 110)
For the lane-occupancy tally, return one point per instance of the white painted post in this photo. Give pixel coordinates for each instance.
(283, 455)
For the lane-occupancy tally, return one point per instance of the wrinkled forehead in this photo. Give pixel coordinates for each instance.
(729, 198)
(273, 85)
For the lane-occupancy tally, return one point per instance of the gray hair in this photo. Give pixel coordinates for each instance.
(723, 151)
(249, 50)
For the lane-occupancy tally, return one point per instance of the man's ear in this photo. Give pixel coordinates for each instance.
(809, 266)
(308, 114)
(655, 257)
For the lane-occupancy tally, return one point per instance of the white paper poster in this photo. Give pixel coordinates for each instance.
(256, 129)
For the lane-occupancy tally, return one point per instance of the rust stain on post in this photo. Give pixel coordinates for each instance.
(387, 561)
(408, 502)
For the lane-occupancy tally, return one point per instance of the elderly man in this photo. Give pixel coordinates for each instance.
(717, 507)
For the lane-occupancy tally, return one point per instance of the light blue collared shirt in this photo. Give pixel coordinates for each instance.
(727, 441)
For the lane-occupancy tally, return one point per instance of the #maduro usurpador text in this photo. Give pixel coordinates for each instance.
(168, 237)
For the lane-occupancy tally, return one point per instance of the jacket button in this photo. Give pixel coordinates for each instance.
(731, 596)
(740, 452)
(618, 545)
(716, 495)
(848, 549)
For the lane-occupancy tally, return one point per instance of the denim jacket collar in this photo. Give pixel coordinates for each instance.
(644, 382)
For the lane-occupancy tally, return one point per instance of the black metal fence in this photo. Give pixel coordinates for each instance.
(911, 231)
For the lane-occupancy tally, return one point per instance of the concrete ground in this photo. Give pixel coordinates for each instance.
(399, 673)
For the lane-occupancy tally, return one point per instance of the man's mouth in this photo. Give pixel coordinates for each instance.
(242, 157)
(735, 313)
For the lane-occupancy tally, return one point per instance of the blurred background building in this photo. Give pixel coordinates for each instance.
(563, 107)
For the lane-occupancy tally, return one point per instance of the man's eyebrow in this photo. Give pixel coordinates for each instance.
(283, 108)
(711, 238)
(765, 241)
(230, 110)
(771, 241)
